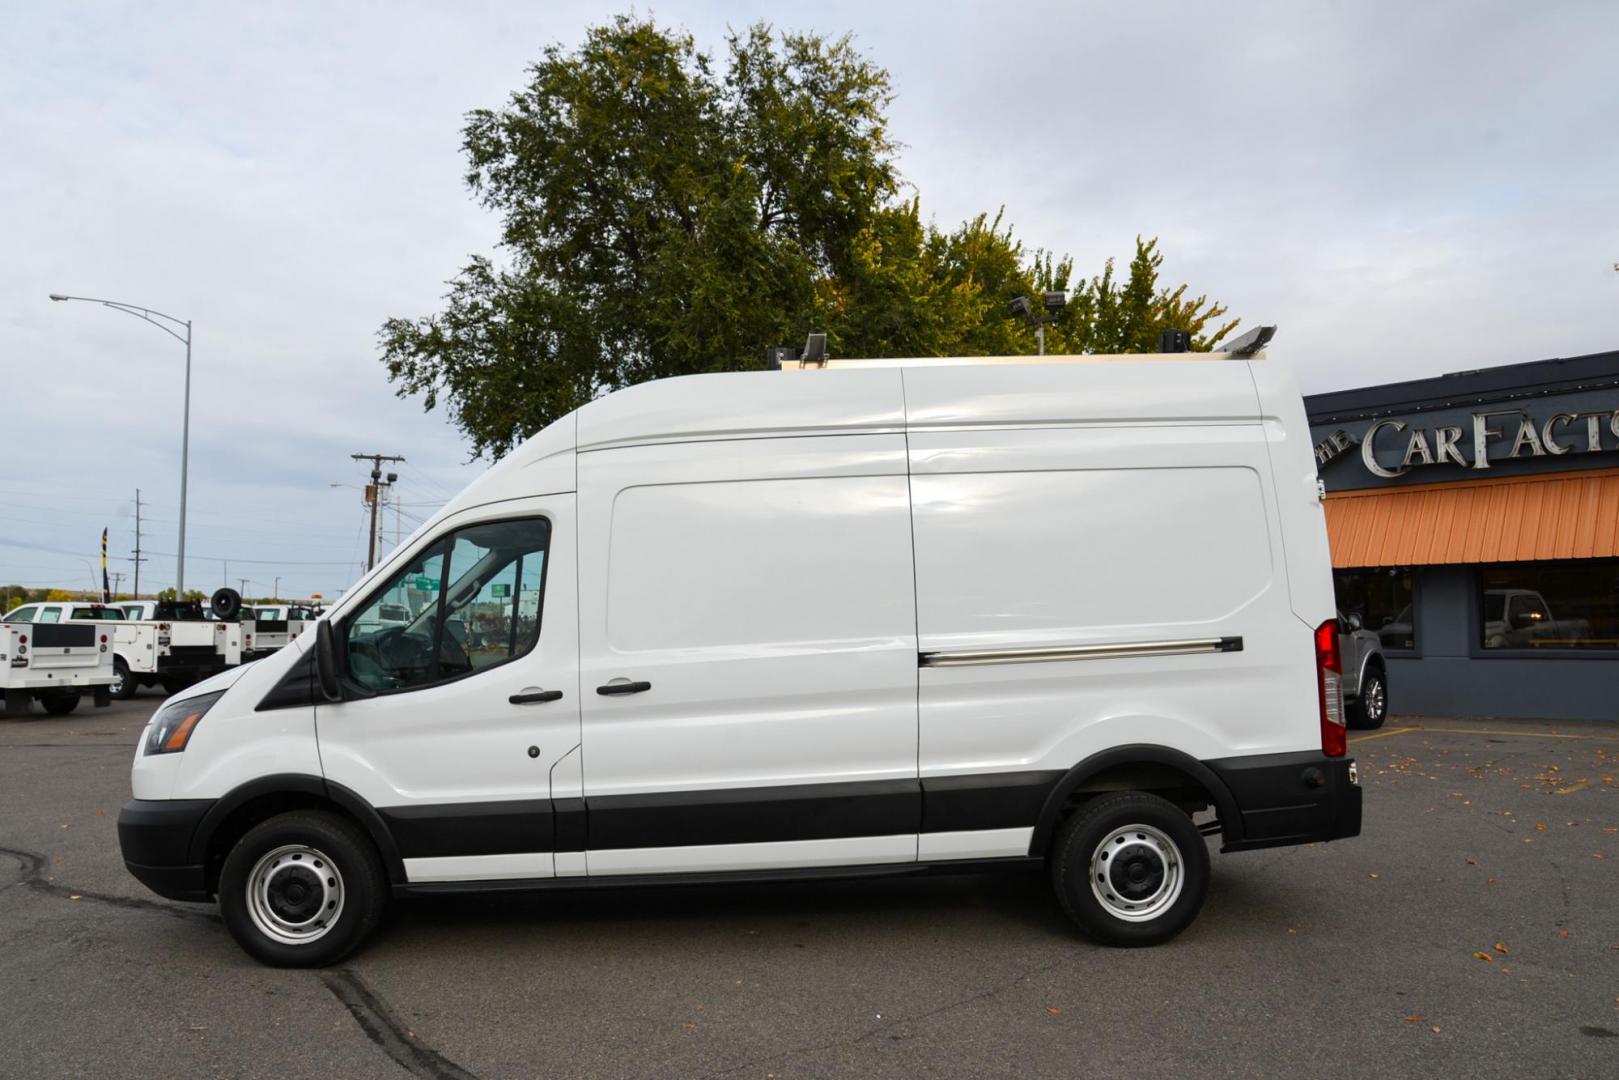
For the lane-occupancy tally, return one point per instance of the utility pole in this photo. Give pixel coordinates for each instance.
(373, 495)
(242, 581)
(117, 580)
(275, 591)
(138, 559)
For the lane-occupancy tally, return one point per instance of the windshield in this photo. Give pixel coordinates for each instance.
(98, 614)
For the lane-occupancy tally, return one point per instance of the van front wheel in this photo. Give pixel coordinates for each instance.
(1130, 868)
(302, 889)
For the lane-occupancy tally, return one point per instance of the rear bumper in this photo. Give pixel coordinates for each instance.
(155, 836)
(1282, 799)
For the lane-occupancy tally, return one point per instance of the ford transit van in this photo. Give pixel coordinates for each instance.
(878, 617)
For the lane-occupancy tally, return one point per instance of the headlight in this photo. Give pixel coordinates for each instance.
(172, 726)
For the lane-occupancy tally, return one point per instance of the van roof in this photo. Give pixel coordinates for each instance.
(876, 397)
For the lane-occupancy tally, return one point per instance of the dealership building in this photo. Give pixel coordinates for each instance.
(1474, 523)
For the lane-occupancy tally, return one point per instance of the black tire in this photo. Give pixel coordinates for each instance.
(1371, 706)
(60, 702)
(173, 684)
(124, 684)
(1144, 835)
(319, 850)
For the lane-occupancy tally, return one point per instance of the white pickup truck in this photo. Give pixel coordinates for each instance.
(52, 662)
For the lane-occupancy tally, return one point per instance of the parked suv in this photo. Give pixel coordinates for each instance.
(1366, 673)
(906, 617)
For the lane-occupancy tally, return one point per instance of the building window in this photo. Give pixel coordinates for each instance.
(1551, 605)
(1383, 600)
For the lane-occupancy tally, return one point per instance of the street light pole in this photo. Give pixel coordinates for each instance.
(151, 316)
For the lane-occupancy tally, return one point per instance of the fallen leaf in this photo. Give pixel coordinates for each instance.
(1054, 1010)
(1434, 1029)
(1471, 862)
(1371, 875)
(101, 813)
(74, 896)
(1483, 956)
(1415, 1019)
(1562, 933)
(1500, 948)
(1489, 881)
(1598, 855)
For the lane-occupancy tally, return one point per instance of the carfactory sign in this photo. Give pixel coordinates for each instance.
(1392, 447)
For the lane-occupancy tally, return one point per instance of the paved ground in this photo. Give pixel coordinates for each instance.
(1473, 930)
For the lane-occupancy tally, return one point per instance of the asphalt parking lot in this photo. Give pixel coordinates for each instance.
(1472, 930)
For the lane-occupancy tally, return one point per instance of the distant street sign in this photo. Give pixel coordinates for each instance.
(500, 590)
(427, 584)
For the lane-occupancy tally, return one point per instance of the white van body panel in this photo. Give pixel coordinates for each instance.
(1298, 493)
(744, 405)
(235, 744)
(1150, 519)
(809, 681)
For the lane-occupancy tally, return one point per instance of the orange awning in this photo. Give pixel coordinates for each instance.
(1512, 519)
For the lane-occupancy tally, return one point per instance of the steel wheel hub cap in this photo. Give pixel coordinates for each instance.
(1136, 873)
(294, 894)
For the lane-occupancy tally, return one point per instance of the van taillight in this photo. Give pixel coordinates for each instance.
(1329, 673)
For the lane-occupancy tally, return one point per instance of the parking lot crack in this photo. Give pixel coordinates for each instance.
(33, 876)
(385, 1029)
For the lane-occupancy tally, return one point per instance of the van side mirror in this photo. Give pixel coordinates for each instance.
(1355, 622)
(326, 662)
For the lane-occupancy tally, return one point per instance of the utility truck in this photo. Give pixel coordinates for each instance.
(276, 624)
(870, 617)
(52, 662)
(172, 644)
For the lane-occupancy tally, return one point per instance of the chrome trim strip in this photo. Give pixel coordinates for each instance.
(1111, 651)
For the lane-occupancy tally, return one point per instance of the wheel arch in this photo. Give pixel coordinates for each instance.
(229, 819)
(1158, 768)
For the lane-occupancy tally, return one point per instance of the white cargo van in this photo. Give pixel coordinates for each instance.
(891, 617)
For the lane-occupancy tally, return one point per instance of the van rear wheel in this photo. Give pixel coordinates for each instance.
(302, 889)
(1130, 868)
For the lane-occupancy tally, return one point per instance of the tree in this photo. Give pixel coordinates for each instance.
(191, 594)
(661, 217)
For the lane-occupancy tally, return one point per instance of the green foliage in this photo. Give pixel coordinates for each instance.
(659, 218)
(191, 594)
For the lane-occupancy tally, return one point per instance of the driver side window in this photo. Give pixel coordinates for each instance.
(469, 602)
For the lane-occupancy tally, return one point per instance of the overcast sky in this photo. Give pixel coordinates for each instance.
(1406, 189)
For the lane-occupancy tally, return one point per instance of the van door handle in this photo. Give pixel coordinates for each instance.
(623, 688)
(537, 697)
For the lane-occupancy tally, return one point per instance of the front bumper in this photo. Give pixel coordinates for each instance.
(155, 837)
(1283, 799)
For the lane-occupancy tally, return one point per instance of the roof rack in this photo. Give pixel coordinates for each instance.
(1248, 347)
